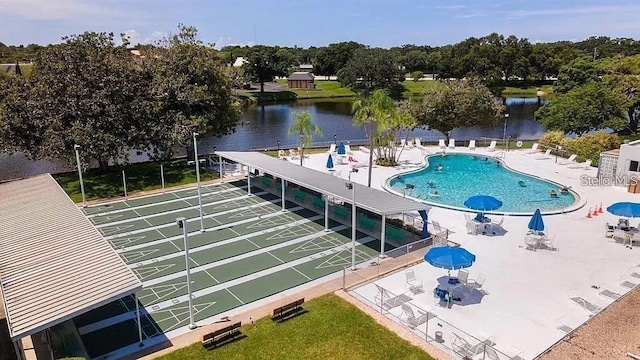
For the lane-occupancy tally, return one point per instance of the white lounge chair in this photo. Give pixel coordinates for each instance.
(534, 149)
(414, 284)
(452, 143)
(384, 299)
(347, 149)
(409, 317)
(493, 225)
(464, 348)
(492, 146)
(437, 229)
(590, 305)
(570, 160)
(611, 291)
(584, 165)
(403, 143)
(441, 144)
(472, 144)
(332, 148)
(567, 324)
(418, 142)
(546, 155)
(629, 282)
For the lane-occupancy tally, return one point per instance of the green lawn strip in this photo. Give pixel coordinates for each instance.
(139, 176)
(527, 90)
(332, 329)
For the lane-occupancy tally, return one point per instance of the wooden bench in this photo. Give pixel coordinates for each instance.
(367, 223)
(300, 195)
(317, 203)
(288, 311)
(225, 334)
(341, 212)
(394, 233)
(267, 182)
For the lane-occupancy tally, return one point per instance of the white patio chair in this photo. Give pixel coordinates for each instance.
(414, 284)
(611, 291)
(546, 155)
(472, 144)
(492, 146)
(441, 144)
(590, 305)
(477, 283)
(534, 149)
(570, 160)
(622, 237)
(531, 242)
(464, 348)
(463, 276)
(490, 353)
(584, 165)
(332, 148)
(417, 142)
(493, 225)
(409, 317)
(347, 149)
(382, 298)
(437, 229)
(548, 243)
(452, 144)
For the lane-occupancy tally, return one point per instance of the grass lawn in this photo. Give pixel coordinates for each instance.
(527, 90)
(332, 329)
(140, 177)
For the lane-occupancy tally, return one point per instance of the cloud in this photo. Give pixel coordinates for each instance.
(136, 38)
(229, 41)
(59, 10)
(573, 11)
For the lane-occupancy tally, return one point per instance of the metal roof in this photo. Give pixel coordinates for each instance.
(301, 75)
(367, 198)
(54, 264)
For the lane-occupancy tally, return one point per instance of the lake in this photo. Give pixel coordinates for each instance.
(262, 126)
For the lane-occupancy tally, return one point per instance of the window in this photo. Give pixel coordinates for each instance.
(634, 166)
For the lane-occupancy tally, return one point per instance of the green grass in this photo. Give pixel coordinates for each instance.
(417, 87)
(527, 90)
(332, 329)
(140, 177)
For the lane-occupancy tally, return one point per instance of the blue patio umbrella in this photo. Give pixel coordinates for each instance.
(482, 203)
(329, 162)
(625, 209)
(536, 223)
(341, 149)
(450, 258)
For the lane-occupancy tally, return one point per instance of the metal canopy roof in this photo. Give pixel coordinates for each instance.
(54, 264)
(367, 198)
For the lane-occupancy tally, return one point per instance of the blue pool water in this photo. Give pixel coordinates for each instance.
(463, 176)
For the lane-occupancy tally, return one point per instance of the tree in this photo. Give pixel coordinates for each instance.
(193, 93)
(585, 108)
(458, 103)
(305, 128)
(370, 69)
(85, 91)
(415, 60)
(623, 77)
(368, 112)
(264, 63)
(579, 72)
(329, 60)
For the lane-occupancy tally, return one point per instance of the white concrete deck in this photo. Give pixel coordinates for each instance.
(527, 291)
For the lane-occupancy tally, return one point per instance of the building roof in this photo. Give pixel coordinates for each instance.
(367, 198)
(239, 62)
(306, 66)
(301, 75)
(54, 264)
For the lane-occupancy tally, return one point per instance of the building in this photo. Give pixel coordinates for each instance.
(306, 67)
(621, 166)
(239, 62)
(301, 80)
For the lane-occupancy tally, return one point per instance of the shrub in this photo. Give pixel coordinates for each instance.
(416, 75)
(587, 146)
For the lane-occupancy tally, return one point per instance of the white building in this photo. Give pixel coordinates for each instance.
(621, 165)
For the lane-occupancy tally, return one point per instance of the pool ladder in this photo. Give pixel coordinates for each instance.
(500, 155)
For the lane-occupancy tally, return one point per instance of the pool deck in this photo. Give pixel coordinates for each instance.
(527, 292)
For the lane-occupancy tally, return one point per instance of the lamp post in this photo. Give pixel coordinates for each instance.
(558, 148)
(301, 148)
(351, 186)
(278, 142)
(182, 224)
(195, 151)
(335, 139)
(504, 133)
(84, 199)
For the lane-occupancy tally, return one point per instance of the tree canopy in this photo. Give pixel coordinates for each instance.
(264, 63)
(458, 103)
(305, 128)
(370, 69)
(585, 108)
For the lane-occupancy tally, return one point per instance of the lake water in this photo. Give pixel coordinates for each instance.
(262, 126)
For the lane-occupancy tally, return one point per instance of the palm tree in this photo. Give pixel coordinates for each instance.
(306, 129)
(367, 112)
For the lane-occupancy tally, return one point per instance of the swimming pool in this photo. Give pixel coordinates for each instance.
(462, 176)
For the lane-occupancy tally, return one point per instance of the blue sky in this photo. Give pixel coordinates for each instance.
(383, 23)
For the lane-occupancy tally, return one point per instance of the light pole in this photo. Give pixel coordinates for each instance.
(301, 148)
(335, 139)
(195, 151)
(278, 142)
(84, 199)
(182, 224)
(558, 148)
(504, 133)
(351, 186)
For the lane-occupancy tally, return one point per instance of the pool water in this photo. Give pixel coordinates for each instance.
(463, 176)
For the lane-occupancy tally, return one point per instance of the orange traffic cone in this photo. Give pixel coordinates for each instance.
(595, 211)
(600, 210)
(589, 214)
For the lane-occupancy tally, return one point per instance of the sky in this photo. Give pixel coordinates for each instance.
(378, 23)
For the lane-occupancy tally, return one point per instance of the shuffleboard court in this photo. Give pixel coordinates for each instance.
(251, 249)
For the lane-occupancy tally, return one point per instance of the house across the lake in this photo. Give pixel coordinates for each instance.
(301, 80)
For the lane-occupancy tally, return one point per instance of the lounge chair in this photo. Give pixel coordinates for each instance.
(492, 146)
(513, 352)
(414, 284)
(463, 276)
(437, 230)
(472, 144)
(622, 237)
(567, 324)
(493, 225)
(382, 298)
(441, 144)
(611, 291)
(332, 149)
(477, 283)
(403, 143)
(570, 160)
(347, 149)
(464, 348)
(590, 305)
(546, 155)
(452, 144)
(409, 317)
(584, 165)
(548, 243)
(628, 282)
(534, 149)
(635, 271)
(418, 142)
